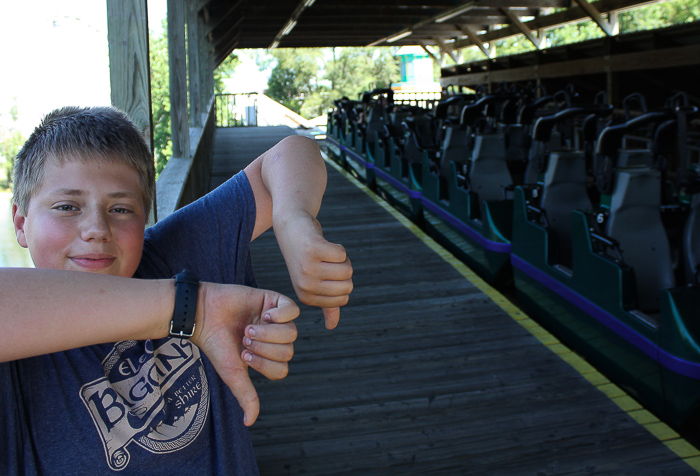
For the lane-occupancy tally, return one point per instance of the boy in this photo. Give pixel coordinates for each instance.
(83, 185)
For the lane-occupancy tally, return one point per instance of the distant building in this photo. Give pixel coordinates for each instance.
(416, 71)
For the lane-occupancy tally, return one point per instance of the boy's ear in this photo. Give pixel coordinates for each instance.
(19, 221)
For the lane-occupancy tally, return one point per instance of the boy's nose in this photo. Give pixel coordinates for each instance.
(95, 227)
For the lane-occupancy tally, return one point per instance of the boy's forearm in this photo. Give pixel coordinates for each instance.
(288, 182)
(46, 311)
(298, 181)
(294, 178)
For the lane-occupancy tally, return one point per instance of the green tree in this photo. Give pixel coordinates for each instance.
(225, 71)
(659, 15)
(11, 141)
(160, 93)
(649, 17)
(294, 77)
(160, 99)
(573, 33)
(355, 70)
(308, 80)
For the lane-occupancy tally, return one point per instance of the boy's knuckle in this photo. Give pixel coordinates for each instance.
(307, 286)
(307, 270)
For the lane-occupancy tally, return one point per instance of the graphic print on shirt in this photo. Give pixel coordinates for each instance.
(155, 395)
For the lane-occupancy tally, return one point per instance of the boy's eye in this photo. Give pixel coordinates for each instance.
(66, 208)
(120, 210)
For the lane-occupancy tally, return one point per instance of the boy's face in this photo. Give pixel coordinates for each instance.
(85, 217)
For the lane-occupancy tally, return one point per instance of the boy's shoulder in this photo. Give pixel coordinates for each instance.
(234, 195)
(211, 236)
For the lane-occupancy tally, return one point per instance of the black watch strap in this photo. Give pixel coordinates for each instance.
(187, 286)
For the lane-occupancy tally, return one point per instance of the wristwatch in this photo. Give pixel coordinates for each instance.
(186, 288)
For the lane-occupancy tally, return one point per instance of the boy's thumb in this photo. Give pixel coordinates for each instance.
(242, 388)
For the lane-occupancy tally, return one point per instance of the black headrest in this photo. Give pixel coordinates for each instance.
(544, 125)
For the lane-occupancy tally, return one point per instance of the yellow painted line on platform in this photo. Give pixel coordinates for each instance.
(643, 417)
(629, 405)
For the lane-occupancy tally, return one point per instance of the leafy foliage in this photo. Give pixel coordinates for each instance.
(160, 99)
(308, 80)
(11, 141)
(225, 71)
(293, 79)
(160, 94)
(657, 15)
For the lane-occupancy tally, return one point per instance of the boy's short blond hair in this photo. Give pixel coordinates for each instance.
(85, 134)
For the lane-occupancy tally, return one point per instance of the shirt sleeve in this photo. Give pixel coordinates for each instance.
(210, 237)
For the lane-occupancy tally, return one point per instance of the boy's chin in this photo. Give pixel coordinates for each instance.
(111, 272)
(107, 271)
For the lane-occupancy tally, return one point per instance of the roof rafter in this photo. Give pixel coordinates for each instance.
(515, 20)
(597, 17)
(322, 23)
(549, 21)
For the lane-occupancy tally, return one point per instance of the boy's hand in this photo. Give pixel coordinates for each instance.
(321, 271)
(238, 327)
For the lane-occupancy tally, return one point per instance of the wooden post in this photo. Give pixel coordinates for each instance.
(177, 57)
(129, 70)
(206, 72)
(193, 49)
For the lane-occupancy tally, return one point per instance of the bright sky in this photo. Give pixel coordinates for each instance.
(54, 53)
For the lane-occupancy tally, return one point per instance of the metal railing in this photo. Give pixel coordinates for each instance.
(236, 110)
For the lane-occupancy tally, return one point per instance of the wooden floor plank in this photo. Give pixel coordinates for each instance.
(425, 374)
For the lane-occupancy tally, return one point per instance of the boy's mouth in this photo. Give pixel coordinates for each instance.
(93, 261)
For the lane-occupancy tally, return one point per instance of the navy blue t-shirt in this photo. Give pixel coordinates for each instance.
(140, 407)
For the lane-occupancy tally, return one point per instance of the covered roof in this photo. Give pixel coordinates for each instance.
(449, 24)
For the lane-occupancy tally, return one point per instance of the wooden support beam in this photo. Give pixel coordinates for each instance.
(129, 67)
(177, 58)
(129, 70)
(436, 60)
(548, 21)
(613, 19)
(206, 70)
(444, 48)
(596, 17)
(233, 31)
(474, 38)
(526, 3)
(195, 86)
(233, 10)
(515, 21)
(221, 53)
(638, 61)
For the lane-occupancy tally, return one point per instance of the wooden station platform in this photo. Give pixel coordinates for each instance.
(431, 371)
